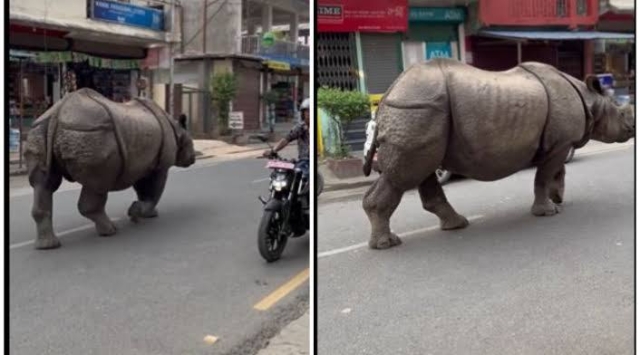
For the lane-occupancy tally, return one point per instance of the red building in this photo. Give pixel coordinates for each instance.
(557, 32)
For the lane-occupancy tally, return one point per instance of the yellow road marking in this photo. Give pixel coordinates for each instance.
(282, 291)
(210, 339)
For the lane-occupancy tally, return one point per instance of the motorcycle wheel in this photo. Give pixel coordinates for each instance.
(271, 241)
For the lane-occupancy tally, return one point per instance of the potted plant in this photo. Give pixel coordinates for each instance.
(343, 107)
(224, 87)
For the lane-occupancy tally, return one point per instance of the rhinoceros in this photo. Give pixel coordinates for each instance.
(484, 125)
(104, 146)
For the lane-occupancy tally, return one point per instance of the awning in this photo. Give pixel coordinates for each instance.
(556, 35)
(622, 5)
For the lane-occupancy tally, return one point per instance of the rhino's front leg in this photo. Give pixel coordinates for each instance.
(91, 205)
(149, 191)
(379, 203)
(435, 201)
(42, 211)
(556, 191)
(549, 185)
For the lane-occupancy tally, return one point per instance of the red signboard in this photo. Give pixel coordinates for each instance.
(362, 15)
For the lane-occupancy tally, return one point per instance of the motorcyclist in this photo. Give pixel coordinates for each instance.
(299, 132)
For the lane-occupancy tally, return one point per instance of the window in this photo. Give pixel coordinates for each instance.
(581, 7)
(561, 8)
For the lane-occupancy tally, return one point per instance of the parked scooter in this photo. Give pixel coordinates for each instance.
(286, 211)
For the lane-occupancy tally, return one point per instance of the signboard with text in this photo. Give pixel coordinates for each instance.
(436, 14)
(236, 120)
(438, 50)
(362, 15)
(127, 14)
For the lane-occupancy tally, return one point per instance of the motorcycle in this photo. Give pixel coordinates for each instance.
(286, 211)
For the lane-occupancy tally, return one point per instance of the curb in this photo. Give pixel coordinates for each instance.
(345, 185)
(18, 172)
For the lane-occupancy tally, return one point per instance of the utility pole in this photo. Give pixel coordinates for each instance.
(173, 32)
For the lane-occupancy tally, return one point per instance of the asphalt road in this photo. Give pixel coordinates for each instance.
(161, 286)
(511, 283)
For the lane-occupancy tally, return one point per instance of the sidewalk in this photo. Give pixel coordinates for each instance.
(332, 183)
(292, 340)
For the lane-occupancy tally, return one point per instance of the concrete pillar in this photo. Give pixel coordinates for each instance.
(293, 27)
(267, 18)
(462, 44)
(588, 57)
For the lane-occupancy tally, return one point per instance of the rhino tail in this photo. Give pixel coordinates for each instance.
(368, 159)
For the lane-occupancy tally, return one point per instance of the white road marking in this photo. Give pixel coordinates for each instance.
(61, 234)
(259, 180)
(402, 235)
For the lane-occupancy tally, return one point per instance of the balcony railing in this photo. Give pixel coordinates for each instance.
(293, 53)
(571, 13)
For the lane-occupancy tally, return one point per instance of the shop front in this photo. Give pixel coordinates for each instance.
(433, 33)
(37, 80)
(359, 43)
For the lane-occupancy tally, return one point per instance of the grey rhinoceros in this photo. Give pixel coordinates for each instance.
(104, 146)
(486, 126)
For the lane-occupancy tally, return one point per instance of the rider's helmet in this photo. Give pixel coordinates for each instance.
(305, 105)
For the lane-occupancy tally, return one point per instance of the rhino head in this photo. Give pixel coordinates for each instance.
(613, 123)
(186, 154)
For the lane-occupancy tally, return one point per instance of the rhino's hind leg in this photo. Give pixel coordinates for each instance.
(435, 201)
(91, 205)
(379, 202)
(44, 185)
(149, 191)
(549, 185)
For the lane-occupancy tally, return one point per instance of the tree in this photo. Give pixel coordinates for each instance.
(224, 87)
(343, 107)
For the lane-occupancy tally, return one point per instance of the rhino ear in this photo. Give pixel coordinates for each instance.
(594, 84)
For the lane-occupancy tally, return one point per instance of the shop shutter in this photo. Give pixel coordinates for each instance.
(248, 96)
(433, 33)
(382, 61)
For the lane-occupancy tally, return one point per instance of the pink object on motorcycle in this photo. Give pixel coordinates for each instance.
(276, 164)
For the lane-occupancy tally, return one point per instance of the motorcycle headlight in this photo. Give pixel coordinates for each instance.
(279, 183)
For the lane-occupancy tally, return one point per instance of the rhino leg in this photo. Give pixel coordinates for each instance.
(149, 191)
(379, 202)
(435, 201)
(549, 184)
(556, 191)
(44, 185)
(91, 205)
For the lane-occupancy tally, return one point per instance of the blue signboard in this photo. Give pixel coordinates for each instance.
(436, 14)
(126, 14)
(438, 50)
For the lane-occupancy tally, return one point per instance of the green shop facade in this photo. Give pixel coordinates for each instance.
(432, 33)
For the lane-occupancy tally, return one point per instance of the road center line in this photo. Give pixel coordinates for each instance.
(60, 234)
(282, 291)
(402, 235)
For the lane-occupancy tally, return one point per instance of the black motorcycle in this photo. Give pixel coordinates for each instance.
(286, 211)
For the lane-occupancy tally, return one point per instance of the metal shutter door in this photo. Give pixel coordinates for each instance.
(381, 60)
(248, 95)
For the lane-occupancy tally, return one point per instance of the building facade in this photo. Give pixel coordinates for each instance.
(238, 37)
(60, 47)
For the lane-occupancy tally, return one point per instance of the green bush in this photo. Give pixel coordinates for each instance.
(223, 90)
(343, 107)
